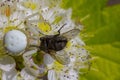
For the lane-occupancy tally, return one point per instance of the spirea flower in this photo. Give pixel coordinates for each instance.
(22, 24)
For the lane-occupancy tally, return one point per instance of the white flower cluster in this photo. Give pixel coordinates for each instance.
(22, 23)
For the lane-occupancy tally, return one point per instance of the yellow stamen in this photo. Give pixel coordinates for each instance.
(7, 11)
(44, 27)
(9, 28)
(58, 66)
(30, 5)
(68, 45)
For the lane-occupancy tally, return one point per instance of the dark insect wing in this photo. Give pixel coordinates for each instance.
(71, 34)
(62, 57)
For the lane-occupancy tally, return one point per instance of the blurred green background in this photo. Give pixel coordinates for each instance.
(101, 34)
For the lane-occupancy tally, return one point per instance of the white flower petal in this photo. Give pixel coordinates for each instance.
(3, 21)
(49, 14)
(26, 74)
(16, 18)
(52, 3)
(48, 59)
(9, 75)
(69, 75)
(7, 63)
(77, 41)
(52, 75)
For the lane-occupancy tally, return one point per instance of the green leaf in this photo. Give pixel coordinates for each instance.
(101, 35)
(103, 69)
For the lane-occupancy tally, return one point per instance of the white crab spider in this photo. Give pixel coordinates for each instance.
(16, 41)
